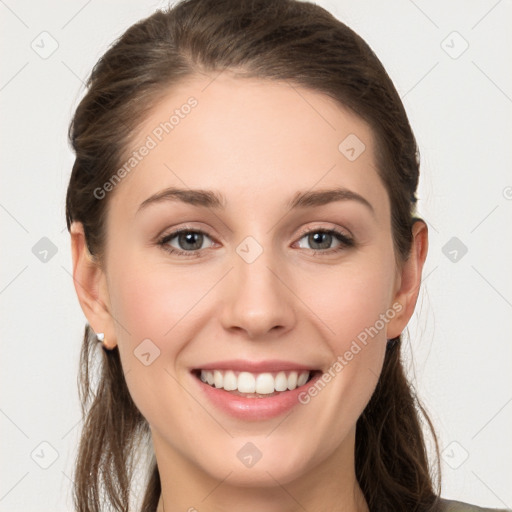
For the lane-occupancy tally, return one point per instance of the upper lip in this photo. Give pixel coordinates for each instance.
(241, 365)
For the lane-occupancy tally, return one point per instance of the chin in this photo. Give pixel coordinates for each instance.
(267, 471)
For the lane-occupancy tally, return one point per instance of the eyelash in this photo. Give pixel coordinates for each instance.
(345, 241)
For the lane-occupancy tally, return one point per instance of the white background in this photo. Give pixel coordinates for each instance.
(460, 110)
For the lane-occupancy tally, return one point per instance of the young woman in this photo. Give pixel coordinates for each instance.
(246, 250)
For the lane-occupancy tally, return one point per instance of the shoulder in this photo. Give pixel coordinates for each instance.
(459, 506)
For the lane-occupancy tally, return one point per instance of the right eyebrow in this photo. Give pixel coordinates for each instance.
(196, 197)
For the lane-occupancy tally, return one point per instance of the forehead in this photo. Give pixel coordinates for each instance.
(255, 140)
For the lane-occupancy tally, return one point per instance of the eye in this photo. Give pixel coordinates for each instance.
(321, 240)
(191, 240)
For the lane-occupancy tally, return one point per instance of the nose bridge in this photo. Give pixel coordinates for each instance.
(258, 301)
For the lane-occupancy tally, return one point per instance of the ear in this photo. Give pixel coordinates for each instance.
(408, 280)
(91, 286)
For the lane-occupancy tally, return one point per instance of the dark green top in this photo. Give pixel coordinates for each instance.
(459, 506)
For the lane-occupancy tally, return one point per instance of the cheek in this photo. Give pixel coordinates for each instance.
(158, 310)
(152, 300)
(355, 308)
(351, 299)
(151, 304)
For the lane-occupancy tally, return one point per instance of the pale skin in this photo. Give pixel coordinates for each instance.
(257, 143)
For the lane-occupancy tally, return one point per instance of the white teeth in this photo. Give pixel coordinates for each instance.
(264, 384)
(292, 380)
(218, 379)
(281, 382)
(302, 379)
(246, 382)
(230, 381)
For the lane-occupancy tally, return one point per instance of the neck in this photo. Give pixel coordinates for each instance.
(330, 486)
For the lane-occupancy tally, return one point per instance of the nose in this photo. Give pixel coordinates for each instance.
(258, 298)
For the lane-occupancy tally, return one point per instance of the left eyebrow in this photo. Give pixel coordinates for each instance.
(321, 197)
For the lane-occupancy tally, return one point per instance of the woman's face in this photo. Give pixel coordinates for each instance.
(259, 284)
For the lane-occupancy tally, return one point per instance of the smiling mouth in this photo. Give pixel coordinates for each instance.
(255, 385)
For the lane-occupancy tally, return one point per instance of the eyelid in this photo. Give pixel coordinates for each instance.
(185, 229)
(331, 227)
(177, 230)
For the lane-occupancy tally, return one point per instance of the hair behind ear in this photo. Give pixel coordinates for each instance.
(391, 459)
(105, 459)
(153, 490)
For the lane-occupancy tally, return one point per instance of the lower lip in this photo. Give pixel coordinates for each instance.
(254, 408)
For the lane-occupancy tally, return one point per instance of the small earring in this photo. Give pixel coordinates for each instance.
(100, 336)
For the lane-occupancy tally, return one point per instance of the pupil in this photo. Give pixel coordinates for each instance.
(317, 235)
(187, 238)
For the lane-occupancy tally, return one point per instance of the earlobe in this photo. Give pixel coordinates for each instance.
(409, 279)
(90, 285)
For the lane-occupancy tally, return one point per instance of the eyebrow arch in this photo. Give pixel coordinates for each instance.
(196, 197)
(215, 200)
(313, 198)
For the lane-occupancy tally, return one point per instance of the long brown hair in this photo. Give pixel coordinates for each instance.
(285, 40)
